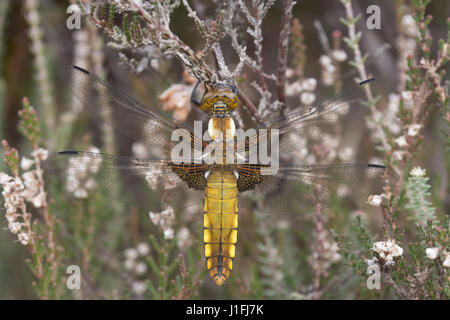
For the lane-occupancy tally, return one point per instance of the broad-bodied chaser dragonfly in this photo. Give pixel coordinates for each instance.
(293, 189)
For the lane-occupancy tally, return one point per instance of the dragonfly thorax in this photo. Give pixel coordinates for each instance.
(221, 128)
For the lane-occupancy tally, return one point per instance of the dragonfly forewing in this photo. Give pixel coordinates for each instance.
(137, 122)
(146, 183)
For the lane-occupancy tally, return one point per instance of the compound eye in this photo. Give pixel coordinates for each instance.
(198, 92)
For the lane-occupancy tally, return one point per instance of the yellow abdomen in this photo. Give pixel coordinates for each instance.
(220, 223)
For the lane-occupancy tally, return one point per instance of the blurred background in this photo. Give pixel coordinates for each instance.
(109, 239)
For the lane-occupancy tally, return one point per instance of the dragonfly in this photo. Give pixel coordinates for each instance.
(292, 190)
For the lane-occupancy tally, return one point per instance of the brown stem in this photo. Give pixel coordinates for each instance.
(283, 51)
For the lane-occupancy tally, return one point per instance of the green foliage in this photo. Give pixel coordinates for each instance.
(418, 192)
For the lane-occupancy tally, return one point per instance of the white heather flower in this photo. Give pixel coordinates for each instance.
(154, 63)
(413, 129)
(398, 155)
(346, 153)
(417, 172)
(24, 238)
(324, 60)
(139, 150)
(155, 218)
(26, 163)
(409, 25)
(184, 238)
(331, 69)
(4, 178)
(167, 217)
(13, 194)
(375, 200)
(387, 250)
(389, 263)
(394, 100)
(309, 84)
(94, 149)
(80, 193)
(339, 55)
(143, 248)
(131, 253)
(140, 268)
(168, 233)
(307, 98)
(11, 217)
(401, 141)
(407, 97)
(293, 89)
(14, 227)
(327, 78)
(39, 200)
(129, 264)
(177, 98)
(447, 261)
(289, 73)
(372, 261)
(152, 178)
(139, 287)
(137, 3)
(432, 253)
(40, 154)
(31, 185)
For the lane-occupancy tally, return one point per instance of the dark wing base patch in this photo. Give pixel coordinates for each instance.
(192, 174)
(249, 176)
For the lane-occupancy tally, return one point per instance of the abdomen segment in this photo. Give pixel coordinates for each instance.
(220, 221)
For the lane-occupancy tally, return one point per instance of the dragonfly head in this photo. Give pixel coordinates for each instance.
(219, 100)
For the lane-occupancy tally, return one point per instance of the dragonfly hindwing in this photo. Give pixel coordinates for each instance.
(193, 175)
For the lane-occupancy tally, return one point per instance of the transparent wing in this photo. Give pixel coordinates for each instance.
(145, 183)
(322, 121)
(297, 190)
(134, 120)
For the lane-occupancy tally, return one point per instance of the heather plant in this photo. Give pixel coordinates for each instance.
(396, 246)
